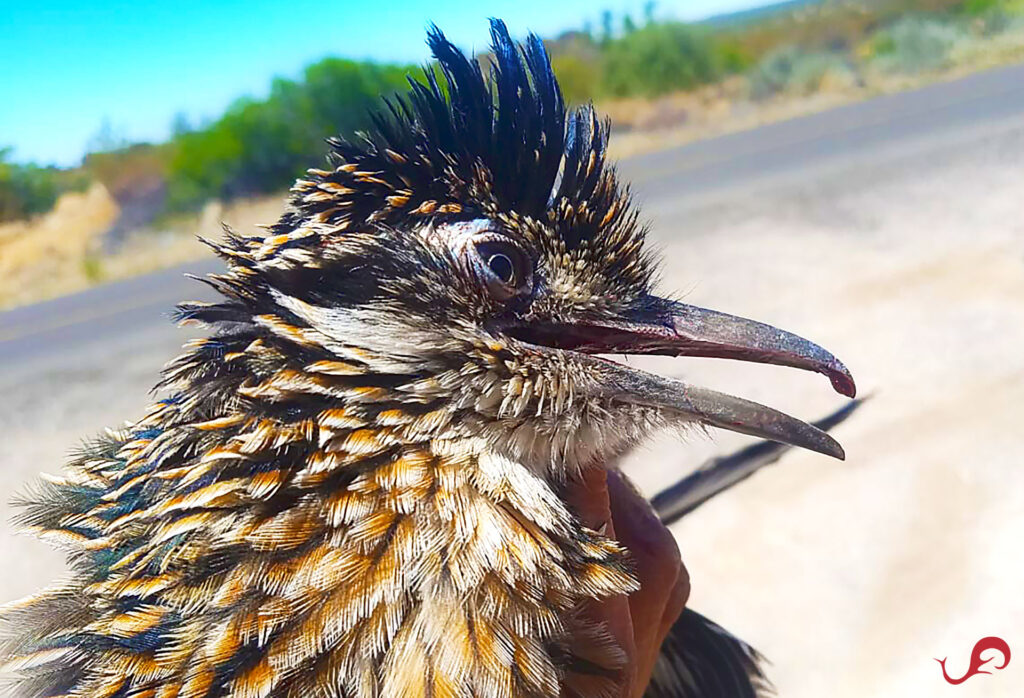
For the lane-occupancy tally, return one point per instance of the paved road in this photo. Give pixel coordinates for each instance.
(868, 132)
(892, 232)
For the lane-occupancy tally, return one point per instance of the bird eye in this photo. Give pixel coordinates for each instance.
(502, 267)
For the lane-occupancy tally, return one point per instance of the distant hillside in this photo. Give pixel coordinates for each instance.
(732, 20)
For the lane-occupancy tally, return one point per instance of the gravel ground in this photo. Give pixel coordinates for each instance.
(851, 577)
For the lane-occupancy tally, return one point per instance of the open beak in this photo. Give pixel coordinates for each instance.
(675, 329)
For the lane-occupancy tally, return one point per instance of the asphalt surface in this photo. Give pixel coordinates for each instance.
(867, 132)
(891, 232)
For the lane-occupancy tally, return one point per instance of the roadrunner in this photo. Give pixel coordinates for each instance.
(354, 485)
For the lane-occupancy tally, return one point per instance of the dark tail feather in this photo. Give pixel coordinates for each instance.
(700, 659)
(719, 474)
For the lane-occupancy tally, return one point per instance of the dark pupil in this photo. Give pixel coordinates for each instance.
(502, 267)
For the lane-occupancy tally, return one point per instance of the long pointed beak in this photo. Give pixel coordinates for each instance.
(674, 329)
(716, 409)
(686, 330)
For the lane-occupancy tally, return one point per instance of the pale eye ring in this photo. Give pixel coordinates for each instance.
(501, 265)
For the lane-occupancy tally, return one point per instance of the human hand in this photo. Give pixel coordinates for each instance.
(639, 622)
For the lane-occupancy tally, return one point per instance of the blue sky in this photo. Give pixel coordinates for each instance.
(67, 67)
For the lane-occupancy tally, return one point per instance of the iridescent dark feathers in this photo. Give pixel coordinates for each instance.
(472, 145)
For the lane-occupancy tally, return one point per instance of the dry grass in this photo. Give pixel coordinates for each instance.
(151, 249)
(61, 252)
(45, 257)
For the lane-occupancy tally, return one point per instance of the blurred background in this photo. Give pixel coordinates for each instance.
(849, 170)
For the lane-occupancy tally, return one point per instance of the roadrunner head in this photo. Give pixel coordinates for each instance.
(473, 253)
(352, 486)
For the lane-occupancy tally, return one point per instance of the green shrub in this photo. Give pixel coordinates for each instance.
(27, 190)
(580, 79)
(733, 56)
(792, 69)
(659, 58)
(975, 8)
(260, 146)
(915, 44)
(994, 16)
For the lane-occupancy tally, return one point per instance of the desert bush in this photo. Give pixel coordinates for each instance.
(733, 56)
(792, 69)
(994, 16)
(659, 58)
(915, 44)
(26, 190)
(976, 8)
(580, 79)
(260, 146)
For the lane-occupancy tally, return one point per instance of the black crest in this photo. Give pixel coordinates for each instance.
(467, 143)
